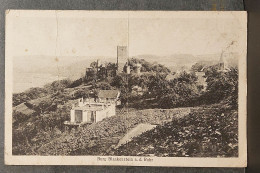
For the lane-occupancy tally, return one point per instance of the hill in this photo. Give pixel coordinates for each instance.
(39, 115)
(100, 137)
(206, 132)
(179, 61)
(46, 69)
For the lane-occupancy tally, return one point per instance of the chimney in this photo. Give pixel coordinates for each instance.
(81, 102)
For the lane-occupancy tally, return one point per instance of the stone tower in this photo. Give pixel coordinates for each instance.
(122, 57)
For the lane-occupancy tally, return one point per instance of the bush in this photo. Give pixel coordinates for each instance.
(222, 85)
(76, 83)
(28, 95)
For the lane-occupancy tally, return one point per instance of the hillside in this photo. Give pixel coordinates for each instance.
(206, 132)
(185, 115)
(209, 131)
(95, 139)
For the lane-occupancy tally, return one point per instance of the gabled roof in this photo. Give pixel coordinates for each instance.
(111, 94)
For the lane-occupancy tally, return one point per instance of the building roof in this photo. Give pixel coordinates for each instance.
(111, 94)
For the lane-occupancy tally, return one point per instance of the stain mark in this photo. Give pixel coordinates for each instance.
(26, 50)
(57, 59)
(7, 11)
(232, 43)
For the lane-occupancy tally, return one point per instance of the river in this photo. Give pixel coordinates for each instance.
(24, 81)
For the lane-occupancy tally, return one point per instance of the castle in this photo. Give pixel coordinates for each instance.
(102, 71)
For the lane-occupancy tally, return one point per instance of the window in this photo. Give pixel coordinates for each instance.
(93, 116)
(78, 116)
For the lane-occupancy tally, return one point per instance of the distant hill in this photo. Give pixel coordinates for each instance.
(65, 66)
(77, 69)
(35, 71)
(51, 68)
(179, 60)
(74, 66)
(230, 58)
(175, 62)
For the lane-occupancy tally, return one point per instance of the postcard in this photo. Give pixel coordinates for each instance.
(126, 88)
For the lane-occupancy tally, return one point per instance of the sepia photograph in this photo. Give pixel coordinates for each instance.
(132, 88)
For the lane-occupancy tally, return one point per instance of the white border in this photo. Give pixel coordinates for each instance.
(241, 161)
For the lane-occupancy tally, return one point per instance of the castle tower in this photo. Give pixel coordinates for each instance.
(223, 62)
(122, 57)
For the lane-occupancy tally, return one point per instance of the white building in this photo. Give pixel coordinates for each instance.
(88, 111)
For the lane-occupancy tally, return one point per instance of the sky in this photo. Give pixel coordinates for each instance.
(40, 42)
(60, 35)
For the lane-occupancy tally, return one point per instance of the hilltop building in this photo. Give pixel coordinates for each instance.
(138, 68)
(103, 71)
(223, 64)
(122, 58)
(90, 73)
(89, 111)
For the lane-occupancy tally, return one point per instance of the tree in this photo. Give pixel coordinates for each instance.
(118, 82)
(146, 66)
(94, 64)
(190, 78)
(43, 105)
(28, 95)
(76, 83)
(182, 91)
(111, 66)
(103, 86)
(199, 66)
(222, 85)
(157, 85)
